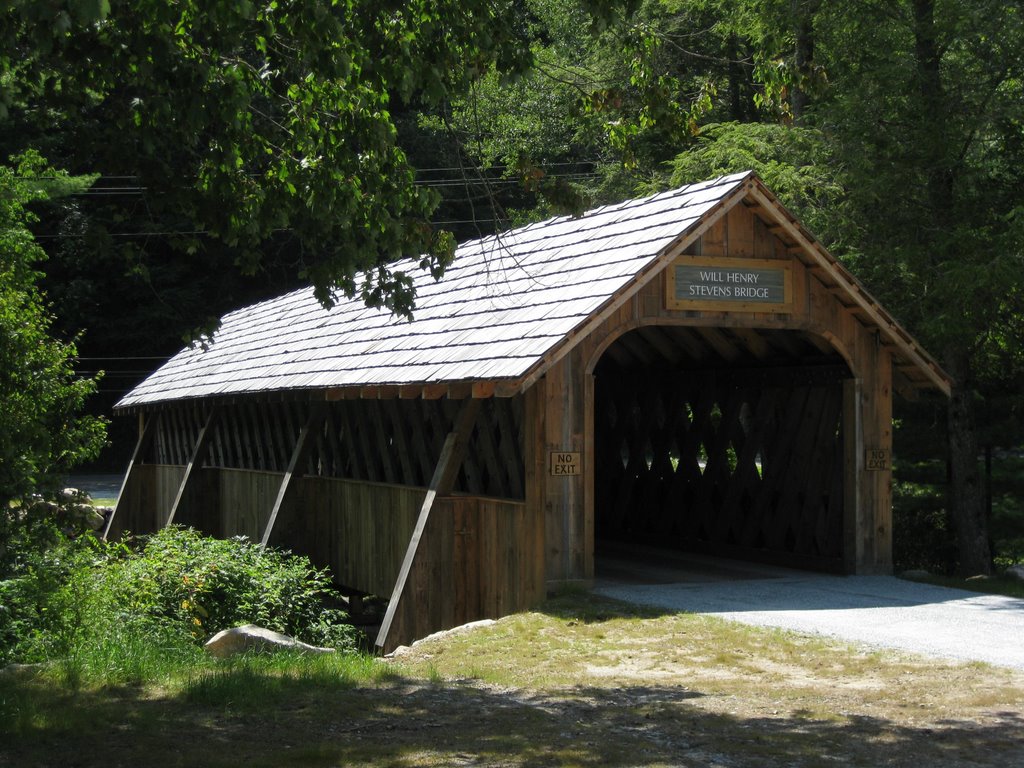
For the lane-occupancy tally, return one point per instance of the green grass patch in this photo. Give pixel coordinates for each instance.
(584, 681)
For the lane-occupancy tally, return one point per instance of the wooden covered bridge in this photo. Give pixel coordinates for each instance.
(691, 370)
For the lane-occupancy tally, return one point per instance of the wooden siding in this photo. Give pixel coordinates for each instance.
(360, 530)
(146, 499)
(481, 557)
(520, 326)
(821, 326)
(478, 559)
(245, 498)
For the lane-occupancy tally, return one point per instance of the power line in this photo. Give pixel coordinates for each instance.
(460, 170)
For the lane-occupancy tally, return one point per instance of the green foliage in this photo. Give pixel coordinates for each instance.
(204, 585)
(262, 123)
(123, 613)
(43, 431)
(922, 539)
(796, 163)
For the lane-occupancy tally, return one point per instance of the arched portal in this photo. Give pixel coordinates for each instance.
(722, 441)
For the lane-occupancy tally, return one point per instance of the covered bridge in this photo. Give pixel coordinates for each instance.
(691, 370)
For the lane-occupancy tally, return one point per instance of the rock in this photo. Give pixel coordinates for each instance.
(403, 649)
(105, 514)
(978, 577)
(456, 630)
(73, 496)
(250, 637)
(43, 508)
(86, 515)
(1016, 572)
(20, 670)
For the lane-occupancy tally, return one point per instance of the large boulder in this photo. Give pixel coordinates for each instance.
(250, 637)
(1016, 572)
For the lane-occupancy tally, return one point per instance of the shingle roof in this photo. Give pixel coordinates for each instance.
(504, 310)
(503, 304)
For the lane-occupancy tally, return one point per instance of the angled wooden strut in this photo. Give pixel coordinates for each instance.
(299, 454)
(195, 460)
(441, 483)
(141, 446)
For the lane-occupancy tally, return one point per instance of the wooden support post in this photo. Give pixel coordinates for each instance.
(305, 439)
(147, 429)
(441, 483)
(195, 460)
(853, 451)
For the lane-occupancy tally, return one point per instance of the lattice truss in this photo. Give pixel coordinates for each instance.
(385, 441)
(726, 460)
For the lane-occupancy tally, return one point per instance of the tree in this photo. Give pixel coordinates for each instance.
(43, 434)
(926, 110)
(268, 127)
(907, 123)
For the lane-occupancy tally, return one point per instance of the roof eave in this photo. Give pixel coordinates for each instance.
(895, 335)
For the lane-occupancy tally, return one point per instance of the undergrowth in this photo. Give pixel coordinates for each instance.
(137, 611)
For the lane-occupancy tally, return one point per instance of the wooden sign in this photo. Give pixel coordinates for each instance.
(565, 463)
(751, 285)
(876, 459)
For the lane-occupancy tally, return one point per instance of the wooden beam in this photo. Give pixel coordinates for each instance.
(316, 417)
(147, 428)
(441, 483)
(483, 389)
(719, 342)
(196, 459)
(434, 391)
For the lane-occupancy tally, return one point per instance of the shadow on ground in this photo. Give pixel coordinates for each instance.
(319, 721)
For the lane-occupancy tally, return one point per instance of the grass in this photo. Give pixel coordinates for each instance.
(585, 681)
(996, 585)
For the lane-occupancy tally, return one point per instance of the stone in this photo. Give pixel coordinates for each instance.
(105, 513)
(44, 508)
(86, 515)
(1016, 572)
(73, 496)
(461, 629)
(21, 670)
(250, 637)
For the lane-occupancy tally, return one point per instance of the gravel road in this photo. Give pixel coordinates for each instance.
(880, 611)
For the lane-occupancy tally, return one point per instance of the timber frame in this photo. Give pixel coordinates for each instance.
(751, 430)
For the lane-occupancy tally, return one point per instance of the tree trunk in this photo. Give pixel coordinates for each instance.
(966, 491)
(803, 15)
(966, 488)
(932, 134)
(737, 107)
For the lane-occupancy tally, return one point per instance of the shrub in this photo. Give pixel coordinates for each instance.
(41, 423)
(206, 585)
(124, 612)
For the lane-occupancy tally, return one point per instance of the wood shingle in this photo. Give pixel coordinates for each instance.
(504, 307)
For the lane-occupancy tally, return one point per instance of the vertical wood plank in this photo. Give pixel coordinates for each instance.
(147, 429)
(305, 439)
(195, 461)
(740, 227)
(441, 483)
